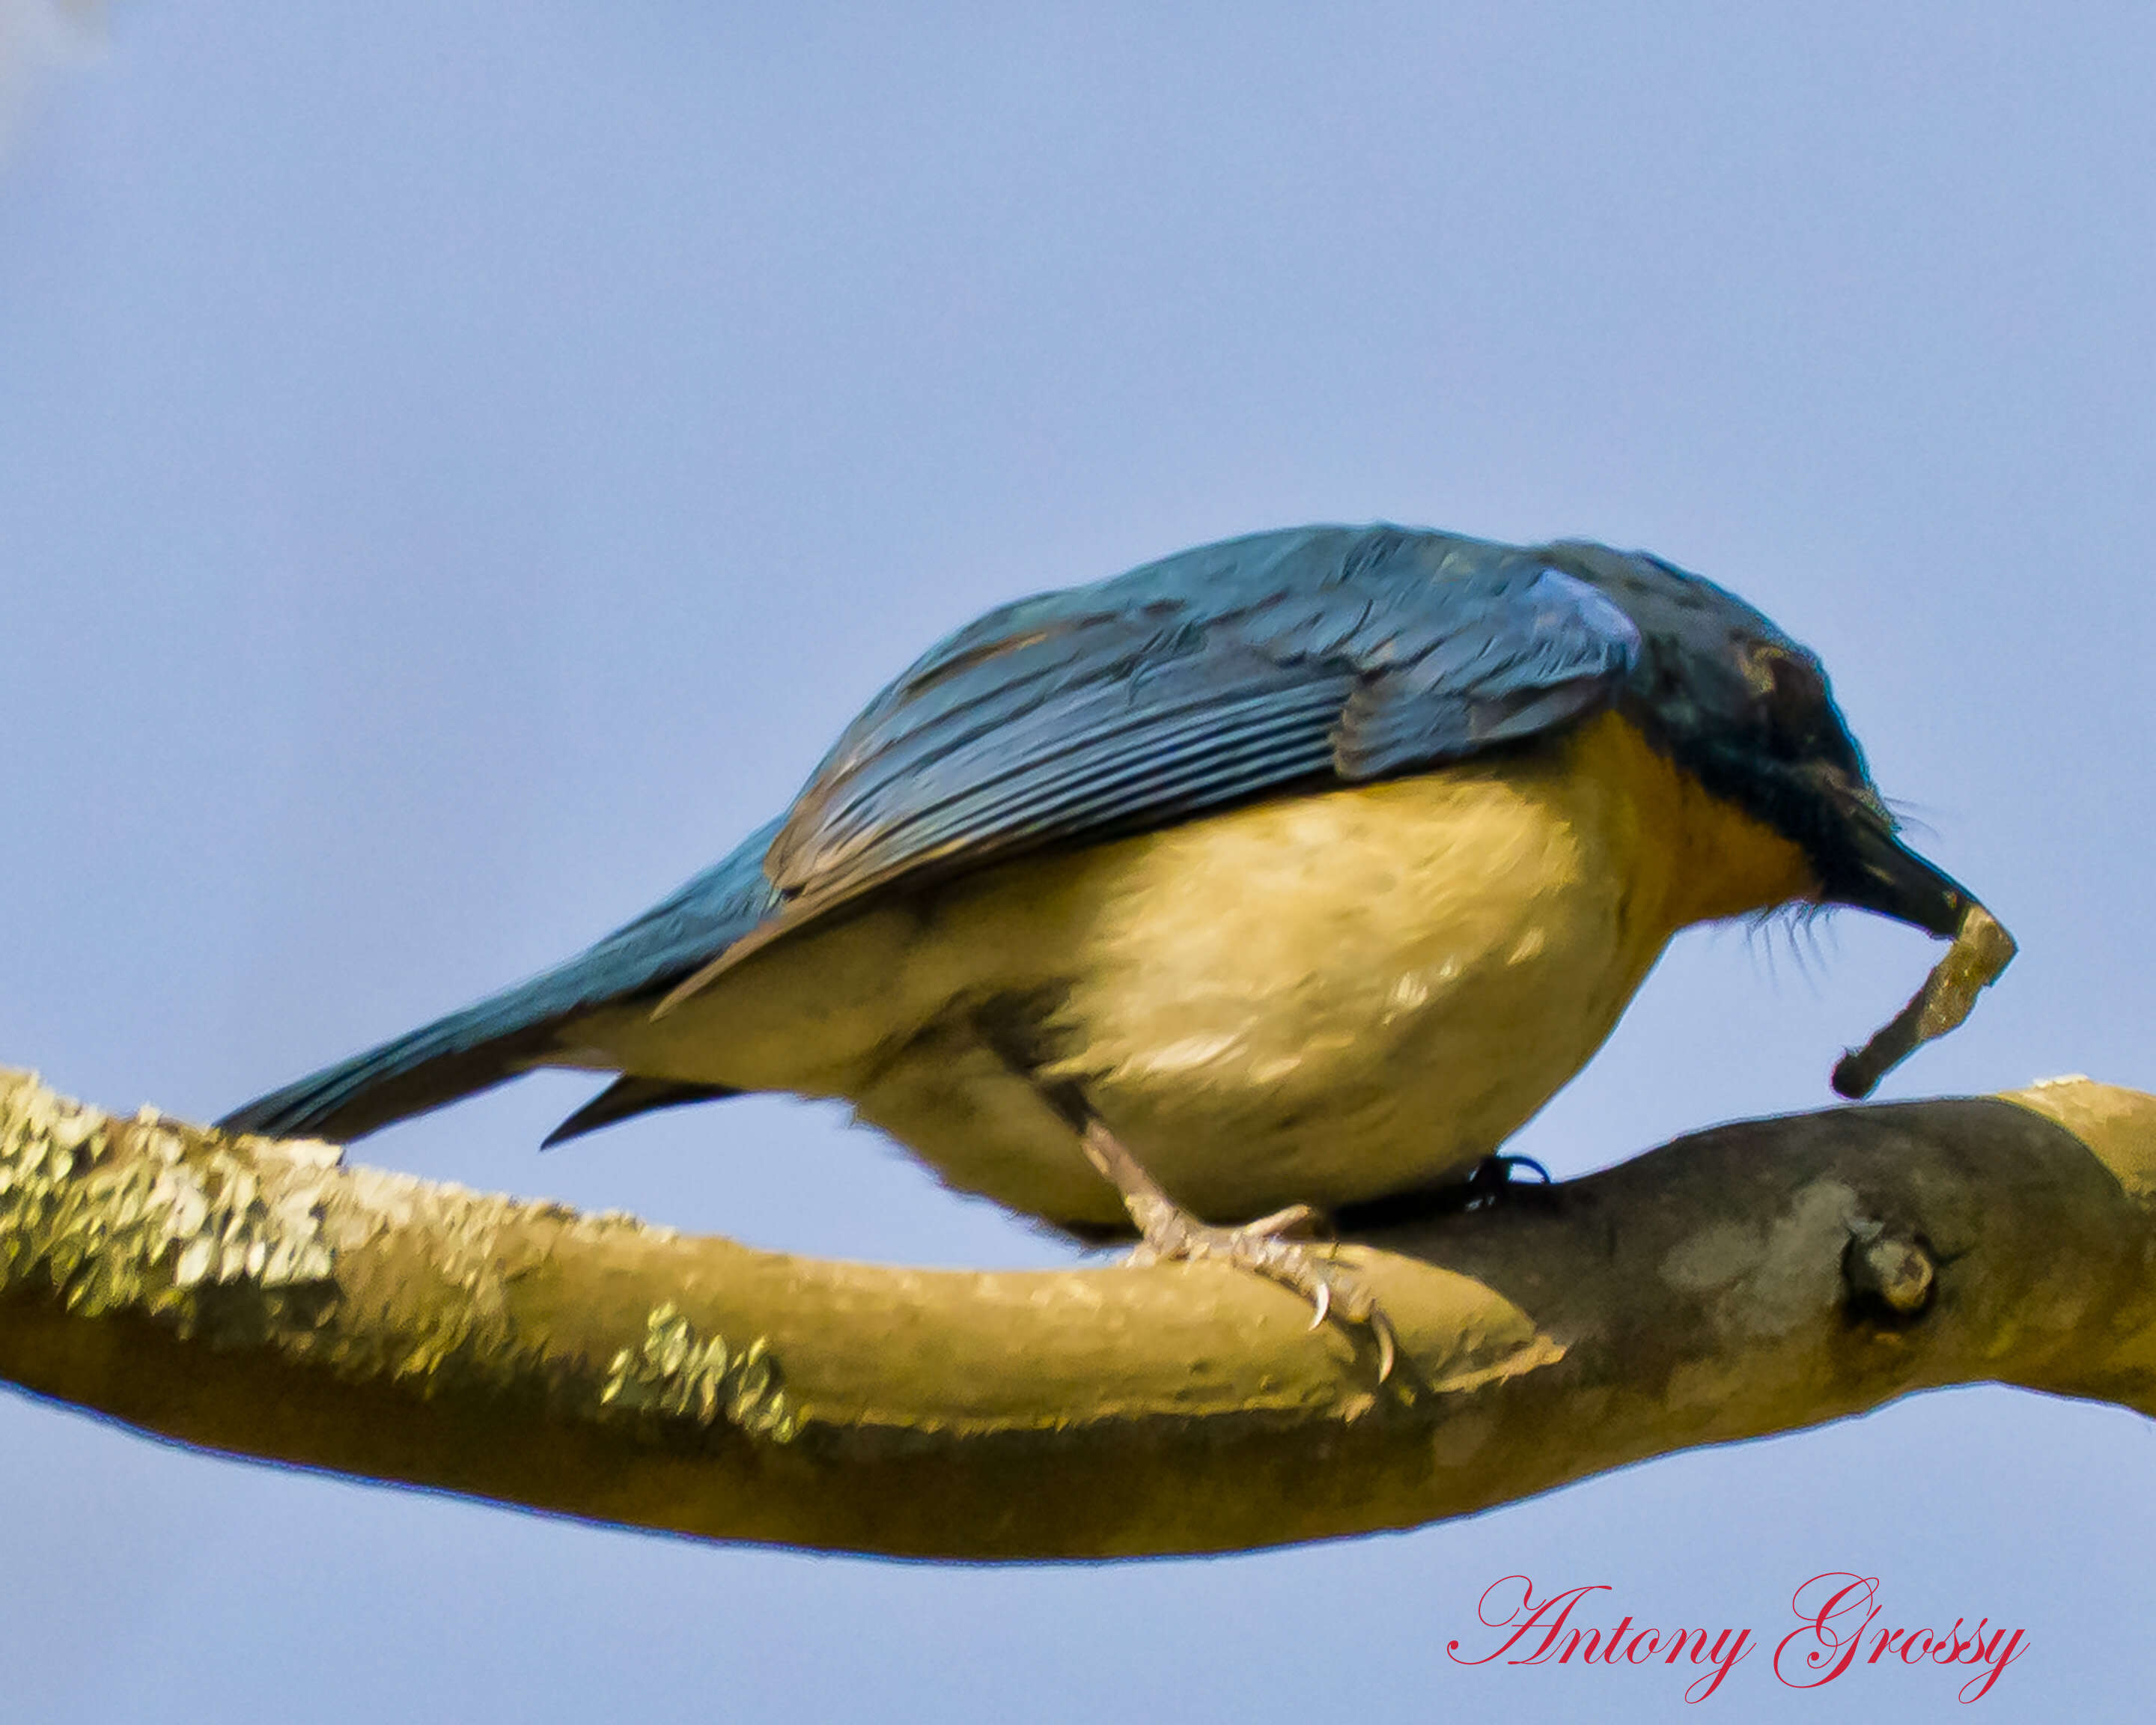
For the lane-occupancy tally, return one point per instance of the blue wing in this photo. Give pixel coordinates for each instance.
(1325, 655)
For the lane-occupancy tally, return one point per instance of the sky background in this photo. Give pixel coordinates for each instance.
(461, 464)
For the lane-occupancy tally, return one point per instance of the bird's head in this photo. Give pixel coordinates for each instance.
(1749, 712)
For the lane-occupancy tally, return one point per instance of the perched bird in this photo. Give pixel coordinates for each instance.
(1287, 875)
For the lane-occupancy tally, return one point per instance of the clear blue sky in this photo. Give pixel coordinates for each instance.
(460, 464)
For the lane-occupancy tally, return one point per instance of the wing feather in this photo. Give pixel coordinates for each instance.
(1322, 655)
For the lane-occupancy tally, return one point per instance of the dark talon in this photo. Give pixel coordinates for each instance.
(1492, 1183)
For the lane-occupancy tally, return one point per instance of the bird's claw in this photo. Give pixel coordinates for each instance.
(1492, 1183)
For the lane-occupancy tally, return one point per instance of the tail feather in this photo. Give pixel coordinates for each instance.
(626, 1097)
(510, 1033)
(443, 1063)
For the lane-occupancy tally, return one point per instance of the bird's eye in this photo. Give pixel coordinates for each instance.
(1791, 692)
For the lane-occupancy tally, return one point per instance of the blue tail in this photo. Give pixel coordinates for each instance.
(508, 1034)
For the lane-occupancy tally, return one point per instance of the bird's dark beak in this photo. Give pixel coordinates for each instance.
(1894, 880)
(1884, 875)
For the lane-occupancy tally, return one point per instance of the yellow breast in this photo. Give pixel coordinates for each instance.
(1319, 999)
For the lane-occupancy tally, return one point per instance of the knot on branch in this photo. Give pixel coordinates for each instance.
(1890, 1276)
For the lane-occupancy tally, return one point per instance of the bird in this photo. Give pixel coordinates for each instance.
(1273, 882)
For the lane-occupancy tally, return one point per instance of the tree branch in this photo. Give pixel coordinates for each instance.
(266, 1299)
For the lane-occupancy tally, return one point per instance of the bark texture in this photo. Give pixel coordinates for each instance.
(266, 1299)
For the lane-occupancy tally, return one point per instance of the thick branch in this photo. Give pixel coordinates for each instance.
(266, 1299)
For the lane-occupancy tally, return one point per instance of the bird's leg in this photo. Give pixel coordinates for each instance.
(1167, 1232)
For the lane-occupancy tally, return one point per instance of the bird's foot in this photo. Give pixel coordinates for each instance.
(1269, 1247)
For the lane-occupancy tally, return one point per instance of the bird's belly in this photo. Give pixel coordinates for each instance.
(1319, 999)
